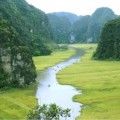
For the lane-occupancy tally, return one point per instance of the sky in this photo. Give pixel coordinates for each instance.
(78, 7)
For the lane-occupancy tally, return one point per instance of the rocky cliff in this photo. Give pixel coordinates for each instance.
(16, 65)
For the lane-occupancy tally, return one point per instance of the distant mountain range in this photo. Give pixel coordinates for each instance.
(83, 28)
(72, 17)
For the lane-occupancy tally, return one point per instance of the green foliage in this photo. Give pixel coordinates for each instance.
(61, 23)
(63, 47)
(97, 21)
(61, 27)
(24, 31)
(7, 33)
(72, 17)
(80, 28)
(109, 45)
(84, 28)
(40, 49)
(3, 77)
(31, 24)
(88, 28)
(18, 58)
(45, 112)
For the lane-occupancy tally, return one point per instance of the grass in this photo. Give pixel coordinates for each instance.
(100, 83)
(42, 62)
(15, 103)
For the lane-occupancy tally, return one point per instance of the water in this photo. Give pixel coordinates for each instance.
(50, 91)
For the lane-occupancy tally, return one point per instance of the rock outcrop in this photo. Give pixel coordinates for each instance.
(16, 64)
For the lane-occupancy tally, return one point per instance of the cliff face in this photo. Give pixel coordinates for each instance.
(16, 65)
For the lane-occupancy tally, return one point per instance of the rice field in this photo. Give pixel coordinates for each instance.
(15, 103)
(100, 85)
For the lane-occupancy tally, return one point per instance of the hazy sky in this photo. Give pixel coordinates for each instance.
(79, 7)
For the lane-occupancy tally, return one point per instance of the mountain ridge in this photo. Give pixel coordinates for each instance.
(93, 27)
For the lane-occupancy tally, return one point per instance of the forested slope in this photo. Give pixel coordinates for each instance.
(84, 29)
(88, 28)
(24, 31)
(109, 44)
(61, 27)
(31, 23)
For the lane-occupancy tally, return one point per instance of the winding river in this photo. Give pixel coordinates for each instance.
(50, 91)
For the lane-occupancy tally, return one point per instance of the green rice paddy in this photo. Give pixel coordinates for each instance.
(42, 62)
(100, 85)
(15, 103)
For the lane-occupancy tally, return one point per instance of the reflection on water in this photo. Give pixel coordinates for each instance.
(50, 91)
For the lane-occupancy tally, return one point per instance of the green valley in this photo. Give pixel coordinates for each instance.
(98, 80)
(32, 40)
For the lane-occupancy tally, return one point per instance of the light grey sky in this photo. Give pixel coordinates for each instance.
(79, 7)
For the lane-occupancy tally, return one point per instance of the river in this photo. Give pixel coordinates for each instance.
(50, 91)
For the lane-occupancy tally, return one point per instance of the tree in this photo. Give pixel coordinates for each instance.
(45, 112)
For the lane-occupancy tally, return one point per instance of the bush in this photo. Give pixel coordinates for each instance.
(45, 112)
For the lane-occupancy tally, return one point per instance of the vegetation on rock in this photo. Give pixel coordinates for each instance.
(24, 31)
(61, 27)
(109, 44)
(85, 29)
(80, 28)
(31, 24)
(16, 65)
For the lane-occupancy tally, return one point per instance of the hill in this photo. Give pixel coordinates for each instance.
(24, 31)
(31, 23)
(82, 28)
(72, 17)
(61, 27)
(97, 21)
(109, 44)
(61, 23)
(88, 29)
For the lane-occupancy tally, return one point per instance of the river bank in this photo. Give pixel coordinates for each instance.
(100, 83)
(50, 91)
